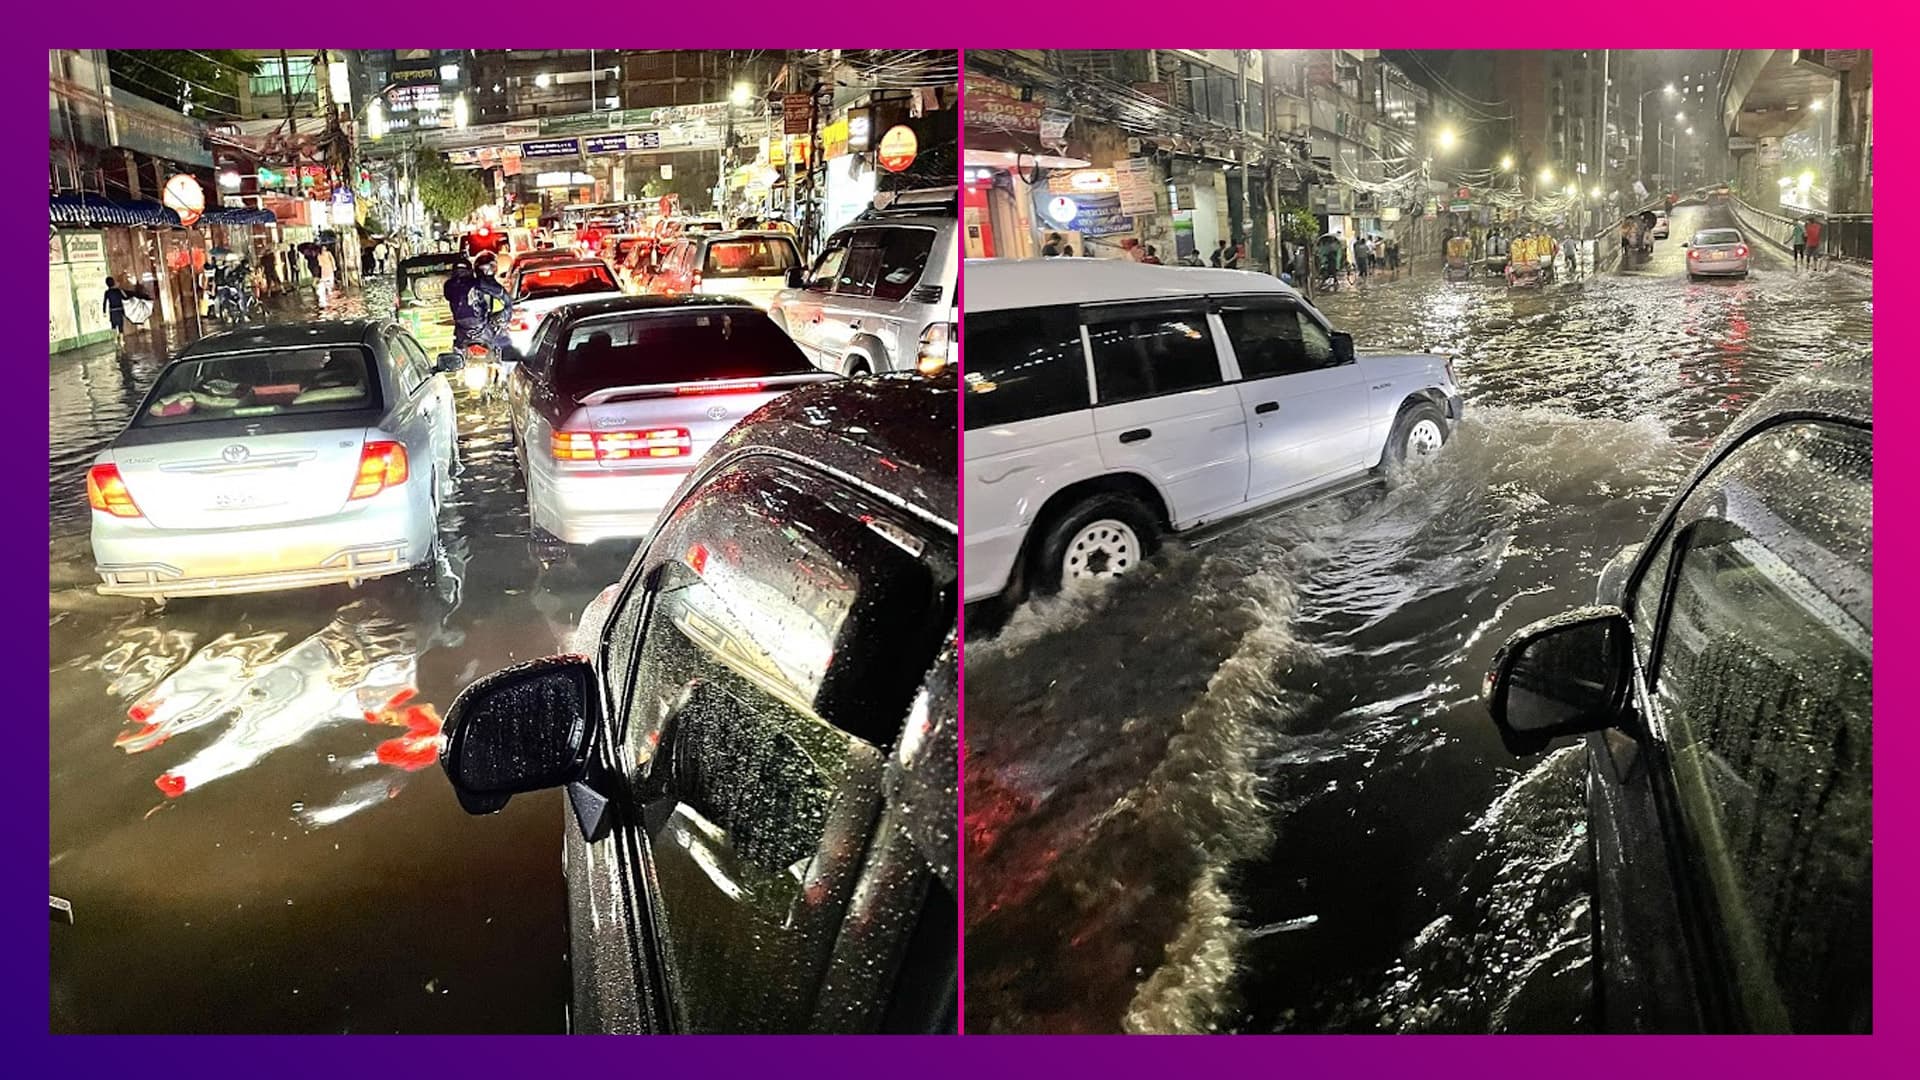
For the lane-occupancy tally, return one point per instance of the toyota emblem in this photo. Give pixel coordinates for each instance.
(718, 412)
(234, 455)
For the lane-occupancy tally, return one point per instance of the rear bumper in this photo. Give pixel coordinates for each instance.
(1718, 269)
(581, 508)
(135, 559)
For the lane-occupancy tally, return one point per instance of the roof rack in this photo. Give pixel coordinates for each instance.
(919, 201)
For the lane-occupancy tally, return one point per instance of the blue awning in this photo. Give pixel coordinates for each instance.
(236, 216)
(99, 210)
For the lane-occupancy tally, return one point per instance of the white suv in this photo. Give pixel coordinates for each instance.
(1109, 402)
(882, 295)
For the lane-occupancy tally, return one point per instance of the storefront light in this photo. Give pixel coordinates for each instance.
(339, 82)
(449, 72)
(376, 121)
(460, 111)
(543, 80)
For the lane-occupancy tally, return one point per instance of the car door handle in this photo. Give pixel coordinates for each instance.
(1267, 407)
(1136, 435)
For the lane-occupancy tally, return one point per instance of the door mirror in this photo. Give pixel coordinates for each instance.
(796, 277)
(449, 362)
(526, 728)
(1342, 347)
(1567, 675)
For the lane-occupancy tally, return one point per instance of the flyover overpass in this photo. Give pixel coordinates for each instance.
(1769, 94)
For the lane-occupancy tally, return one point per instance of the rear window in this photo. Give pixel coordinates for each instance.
(542, 282)
(759, 257)
(1715, 236)
(238, 386)
(728, 343)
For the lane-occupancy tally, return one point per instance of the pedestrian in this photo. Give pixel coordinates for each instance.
(1799, 242)
(1153, 257)
(1362, 256)
(1393, 257)
(1231, 259)
(1626, 238)
(1219, 256)
(1813, 242)
(323, 273)
(380, 255)
(366, 261)
(114, 303)
(1052, 247)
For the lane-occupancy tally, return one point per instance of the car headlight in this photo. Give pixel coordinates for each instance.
(937, 344)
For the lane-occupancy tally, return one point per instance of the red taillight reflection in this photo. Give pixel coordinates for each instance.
(1693, 254)
(106, 491)
(1741, 251)
(697, 558)
(382, 465)
(642, 445)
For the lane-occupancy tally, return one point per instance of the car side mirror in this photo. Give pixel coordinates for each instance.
(1567, 675)
(796, 277)
(1342, 347)
(526, 728)
(449, 362)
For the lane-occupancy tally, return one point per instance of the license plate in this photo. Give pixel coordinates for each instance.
(1719, 256)
(235, 500)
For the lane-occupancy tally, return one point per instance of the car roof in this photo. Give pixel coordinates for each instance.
(318, 332)
(896, 435)
(610, 305)
(743, 234)
(995, 284)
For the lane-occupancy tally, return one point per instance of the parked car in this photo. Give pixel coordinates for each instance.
(303, 454)
(1213, 394)
(758, 733)
(547, 284)
(750, 265)
(617, 398)
(1716, 253)
(420, 304)
(883, 294)
(1659, 224)
(1725, 688)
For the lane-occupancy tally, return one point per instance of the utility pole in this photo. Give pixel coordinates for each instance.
(1246, 168)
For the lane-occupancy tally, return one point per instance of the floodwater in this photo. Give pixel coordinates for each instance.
(1252, 788)
(246, 810)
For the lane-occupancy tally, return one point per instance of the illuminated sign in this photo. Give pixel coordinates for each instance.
(898, 148)
(184, 196)
(550, 148)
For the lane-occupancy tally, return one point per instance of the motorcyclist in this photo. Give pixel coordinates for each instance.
(471, 294)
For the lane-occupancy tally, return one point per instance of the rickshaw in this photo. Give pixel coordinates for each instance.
(1523, 262)
(1330, 257)
(418, 302)
(1459, 258)
(1498, 246)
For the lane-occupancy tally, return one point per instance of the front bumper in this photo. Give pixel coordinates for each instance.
(136, 559)
(581, 508)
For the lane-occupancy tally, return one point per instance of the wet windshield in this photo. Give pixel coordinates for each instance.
(241, 385)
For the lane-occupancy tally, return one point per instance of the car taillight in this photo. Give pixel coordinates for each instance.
(1694, 254)
(696, 279)
(106, 491)
(382, 465)
(1741, 251)
(936, 348)
(643, 444)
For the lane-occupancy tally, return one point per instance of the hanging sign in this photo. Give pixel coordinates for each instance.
(1061, 209)
(184, 196)
(898, 148)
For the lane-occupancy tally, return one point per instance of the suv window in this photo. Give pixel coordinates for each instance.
(904, 260)
(1274, 337)
(1764, 687)
(862, 265)
(1145, 352)
(768, 686)
(827, 267)
(1022, 364)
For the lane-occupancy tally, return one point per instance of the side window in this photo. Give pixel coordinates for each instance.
(1146, 352)
(1314, 340)
(1763, 688)
(901, 264)
(1023, 364)
(827, 267)
(1266, 338)
(790, 623)
(539, 347)
(857, 274)
(410, 361)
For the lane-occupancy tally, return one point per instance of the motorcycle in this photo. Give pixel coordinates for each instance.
(488, 357)
(232, 303)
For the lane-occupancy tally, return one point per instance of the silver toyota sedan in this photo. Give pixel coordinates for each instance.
(1716, 253)
(278, 457)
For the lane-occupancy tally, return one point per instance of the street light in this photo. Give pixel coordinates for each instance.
(1817, 105)
(460, 111)
(1679, 118)
(543, 80)
(1447, 139)
(1640, 128)
(742, 93)
(376, 120)
(230, 180)
(1506, 163)
(1546, 176)
(1689, 131)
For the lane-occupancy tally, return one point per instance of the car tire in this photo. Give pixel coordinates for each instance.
(1418, 434)
(1102, 536)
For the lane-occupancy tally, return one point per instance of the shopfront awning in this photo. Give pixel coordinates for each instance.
(237, 216)
(100, 210)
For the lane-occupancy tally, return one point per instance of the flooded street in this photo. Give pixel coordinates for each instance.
(246, 810)
(1253, 787)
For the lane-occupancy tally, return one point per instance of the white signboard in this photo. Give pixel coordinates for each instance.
(1134, 179)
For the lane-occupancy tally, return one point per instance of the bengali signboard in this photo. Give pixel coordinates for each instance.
(577, 122)
(796, 110)
(1134, 179)
(1083, 182)
(86, 246)
(154, 129)
(1742, 142)
(993, 112)
(713, 112)
(1093, 215)
(550, 148)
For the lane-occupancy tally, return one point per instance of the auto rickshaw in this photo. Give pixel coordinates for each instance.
(1330, 258)
(1459, 258)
